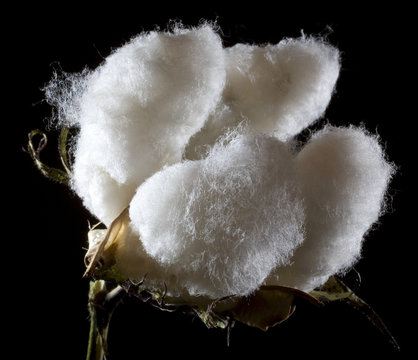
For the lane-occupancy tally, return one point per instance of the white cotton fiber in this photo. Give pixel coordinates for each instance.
(223, 223)
(101, 194)
(134, 263)
(278, 89)
(282, 88)
(138, 110)
(221, 121)
(343, 176)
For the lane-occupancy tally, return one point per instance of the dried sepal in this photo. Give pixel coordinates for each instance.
(335, 289)
(101, 252)
(265, 308)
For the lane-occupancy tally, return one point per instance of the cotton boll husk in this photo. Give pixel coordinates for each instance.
(223, 223)
(344, 177)
(141, 107)
(278, 89)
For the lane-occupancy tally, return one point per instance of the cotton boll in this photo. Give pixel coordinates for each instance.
(223, 223)
(278, 89)
(138, 110)
(344, 176)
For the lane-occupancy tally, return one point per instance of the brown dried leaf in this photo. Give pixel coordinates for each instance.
(105, 250)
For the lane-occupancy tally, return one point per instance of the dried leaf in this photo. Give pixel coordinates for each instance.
(332, 290)
(267, 307)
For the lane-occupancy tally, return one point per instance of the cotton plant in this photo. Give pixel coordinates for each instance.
(186, 154)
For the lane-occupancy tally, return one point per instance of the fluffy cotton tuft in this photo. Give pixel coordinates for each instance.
(243, 210)
(223, 223)
(137, 111)
(343, 175)
(278, 89)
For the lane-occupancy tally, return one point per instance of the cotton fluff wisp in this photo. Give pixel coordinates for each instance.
(198, 141)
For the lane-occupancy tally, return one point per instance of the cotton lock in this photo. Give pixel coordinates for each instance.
(199, 141)
(278, 89)
(222, 223)
(343, 175)
(137, 110)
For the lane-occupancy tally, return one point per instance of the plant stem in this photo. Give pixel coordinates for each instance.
(101, 305)
(93, 334)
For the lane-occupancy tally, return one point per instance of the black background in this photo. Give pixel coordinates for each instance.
(43, 285)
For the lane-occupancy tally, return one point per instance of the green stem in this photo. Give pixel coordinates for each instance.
(102, 303)
(92, 344)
